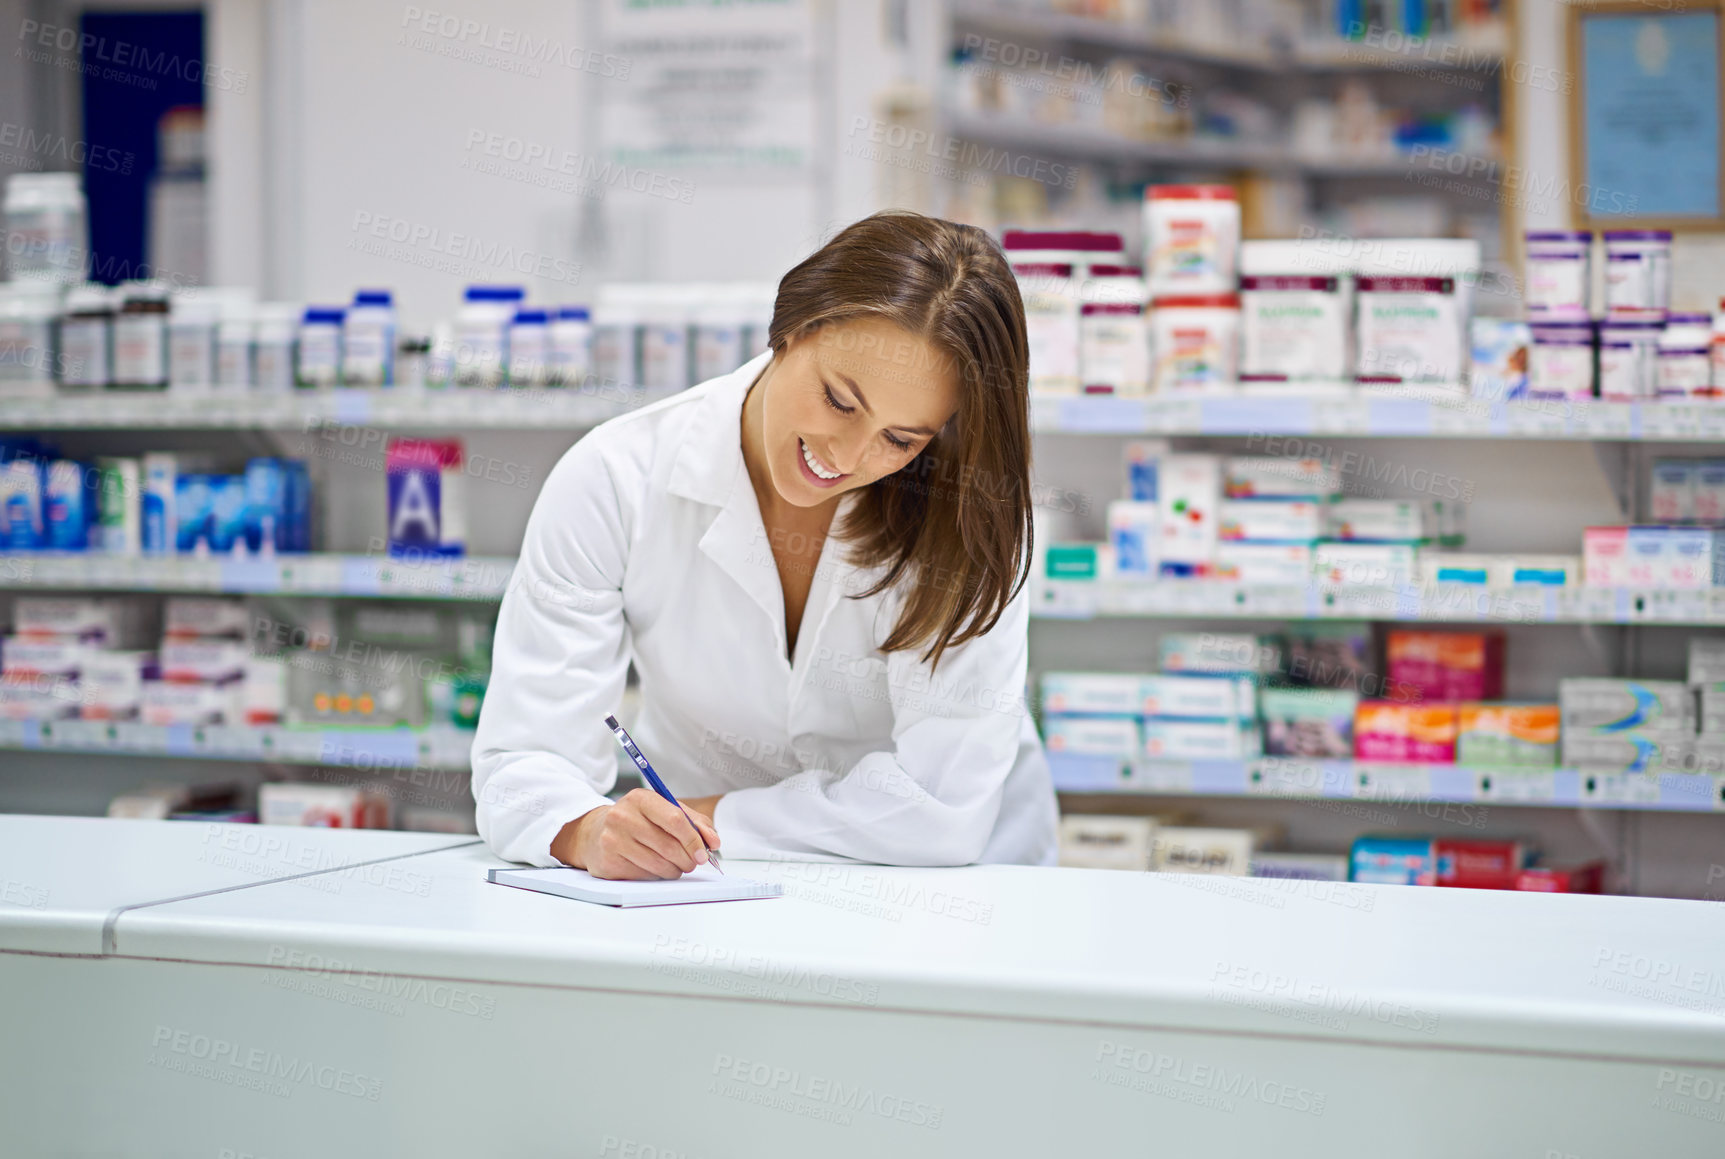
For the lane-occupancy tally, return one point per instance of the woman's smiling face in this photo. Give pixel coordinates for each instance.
(851, 403)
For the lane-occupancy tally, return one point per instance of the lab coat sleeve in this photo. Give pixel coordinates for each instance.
(542, 756)
(935, 797)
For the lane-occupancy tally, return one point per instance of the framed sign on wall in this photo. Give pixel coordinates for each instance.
(1647, 114)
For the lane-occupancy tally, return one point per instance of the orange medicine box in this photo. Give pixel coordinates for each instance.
(1387, 730)
(1508, 734)
(1446, 665)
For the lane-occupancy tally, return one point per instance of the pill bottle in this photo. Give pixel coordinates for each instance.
(27, 356)
(1113, 348)
(412, 362)
(141, 338)
(275, 336)
(1683, 358)
(1637, 272)
(720, 323)
(1559, 272)
(318, 366)
(1560, 361)
(1296, 310)
(1195, 341)
(47, 239)
(1191, 239)
(87, 338)
(192, 325)
(571, 346)
(616, 338)
(530, 348)
(1078, 248)
(482, 334)
(234, 347)
(665, 351)
(368, 340)
(1051, 326)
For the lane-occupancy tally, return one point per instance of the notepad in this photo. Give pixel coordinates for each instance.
(704, 884)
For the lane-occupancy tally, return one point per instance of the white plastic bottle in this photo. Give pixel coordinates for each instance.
(665, 339)
(192, 327)
(530, 348)
(720, 320)
(482, 334)
(27, 311)
(616, 339)
(319, 362)
(275, 335)
(234, 347)
(368, 340)
(46, 236)
(571, 346)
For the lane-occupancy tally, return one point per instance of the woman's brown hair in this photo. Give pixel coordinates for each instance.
(955, 521)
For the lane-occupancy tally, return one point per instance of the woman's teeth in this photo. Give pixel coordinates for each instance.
(815, 464)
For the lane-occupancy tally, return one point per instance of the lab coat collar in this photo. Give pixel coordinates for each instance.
(710, 469)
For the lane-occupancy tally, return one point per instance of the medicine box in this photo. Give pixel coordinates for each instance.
(1708, 481)
(1199, 740)
(1381, 520)
(1632, 752)
(1430, 665)
(1269, 564)
(1711, 707)
(1134, 531)
(1189, 492)
(427, 514)
(1179, 849)
(173, 702)
(107, 622)
(38, 697)
(191, 617)
(1458, 567)
(112, 684)
(1197, 697)
(1076, 561)
(1106, 842)
(263, 699)
(1101, 736)
(1271, 520)
(1544, 570)
(328, 806)
(1393, 731)
(1671, 495)
(1300, 866)
(1259, 476)
(1520, 735)
(1218, 652)
(1330, 656)
(28, 657)
(1602, 706)
(1092, 693)
(1384, 860)
(1479, 863)
(1605, 557)
(1588, 878)
(1373, 565)
(1309, 722)
(203, 661)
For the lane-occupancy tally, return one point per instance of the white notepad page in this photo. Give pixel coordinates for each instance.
(703, 884)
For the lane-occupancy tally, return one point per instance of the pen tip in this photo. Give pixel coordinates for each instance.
(610, 722)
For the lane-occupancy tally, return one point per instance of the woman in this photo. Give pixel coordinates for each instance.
(817, 566)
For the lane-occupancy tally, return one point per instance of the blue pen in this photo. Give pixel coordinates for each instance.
(628, 743)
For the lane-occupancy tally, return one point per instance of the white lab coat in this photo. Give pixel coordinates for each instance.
(647, 544)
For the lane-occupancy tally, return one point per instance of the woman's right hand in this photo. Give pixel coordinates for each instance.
(642, 837)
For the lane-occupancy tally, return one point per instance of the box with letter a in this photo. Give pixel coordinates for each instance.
(426, 512)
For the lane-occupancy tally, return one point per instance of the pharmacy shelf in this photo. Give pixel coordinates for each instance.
(400, 748)
(1430, 603)
(1335, 410)
(1439, 53)
(1078, 140)
(1288, 778)
(482, 578)
(452, 409)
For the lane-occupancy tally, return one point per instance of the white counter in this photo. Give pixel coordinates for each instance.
(415, 1009)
